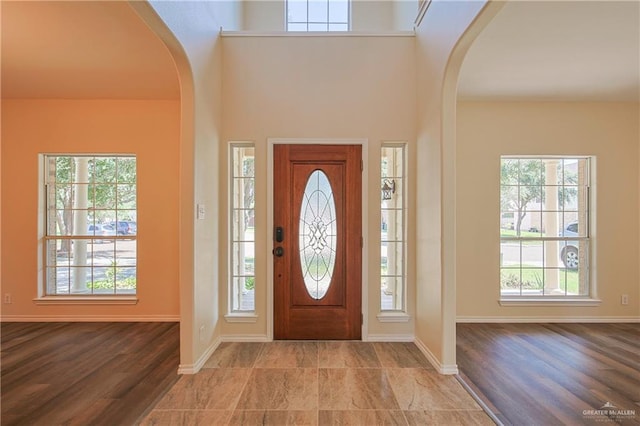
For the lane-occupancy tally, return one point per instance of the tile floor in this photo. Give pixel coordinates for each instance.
(317, 383)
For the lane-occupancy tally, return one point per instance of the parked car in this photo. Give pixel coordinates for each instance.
(101, 230)
(108, 230)
(94, 229)
(569, 249)
(133, 227)
(121, 226)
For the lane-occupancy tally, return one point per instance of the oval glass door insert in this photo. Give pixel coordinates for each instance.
(317, 234)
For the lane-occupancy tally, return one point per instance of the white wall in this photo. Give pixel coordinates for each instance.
(196, 26)
(445, 33)
(404, 14)
(263, 15)
(608, 131)
(372, 16)
(318, 87)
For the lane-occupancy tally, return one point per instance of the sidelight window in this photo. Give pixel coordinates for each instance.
(393, 227)
(242, 228)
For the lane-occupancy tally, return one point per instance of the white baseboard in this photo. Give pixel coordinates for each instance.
(245, 338)
(441, 368)
(90, 318)
(538, 319)
(389, 338)
(195, 367)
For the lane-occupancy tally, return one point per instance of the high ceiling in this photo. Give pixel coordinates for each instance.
(543, 50)
(557, 50)
(82, 50)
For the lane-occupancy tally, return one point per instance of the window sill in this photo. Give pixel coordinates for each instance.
(86, 300)
(284, 33)
(539, 301)
(237, 317)
(393, 317)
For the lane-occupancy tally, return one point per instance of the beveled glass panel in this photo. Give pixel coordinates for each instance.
(318, 234)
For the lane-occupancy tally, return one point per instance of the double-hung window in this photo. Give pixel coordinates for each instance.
(544, 227)
(90, 225)
(318, 15)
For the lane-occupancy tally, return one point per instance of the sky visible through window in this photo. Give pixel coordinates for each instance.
(317, 15)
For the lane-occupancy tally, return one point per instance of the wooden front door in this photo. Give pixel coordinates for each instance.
(317, 238)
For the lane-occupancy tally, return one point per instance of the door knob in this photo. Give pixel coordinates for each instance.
(278, 251)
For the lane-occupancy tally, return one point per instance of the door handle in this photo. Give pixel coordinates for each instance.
(279, 234)
(278, 251)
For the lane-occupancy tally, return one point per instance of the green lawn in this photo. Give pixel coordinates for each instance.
(532, 278)
(523, 234)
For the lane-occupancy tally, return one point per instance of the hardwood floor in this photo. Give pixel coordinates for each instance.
(553, 374)
(115, 373)
(85, 373)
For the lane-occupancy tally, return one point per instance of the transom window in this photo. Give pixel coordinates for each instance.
(318, 15)
(90, 245)
(544, 226)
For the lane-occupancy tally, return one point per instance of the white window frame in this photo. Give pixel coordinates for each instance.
(47, 233)
(399, 184)
(238, 314)
(586, 183)
(328, 23)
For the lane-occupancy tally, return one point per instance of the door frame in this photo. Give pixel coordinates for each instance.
(365, 219)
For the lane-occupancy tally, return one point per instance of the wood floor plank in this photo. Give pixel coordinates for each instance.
(85, 373)
(534, 374)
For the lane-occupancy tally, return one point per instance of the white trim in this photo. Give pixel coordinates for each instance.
(364, 142)
(195, 367)
(393, 317)
(246, 318)
(389, 338)
(90, 318)
(441, 368)
(317, 34)
(549, 302)
(246, 338)
(86, 300)
(540, 319)
(423, 6)
(229, 242)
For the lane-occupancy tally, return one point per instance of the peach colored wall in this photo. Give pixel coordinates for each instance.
(608, 131)
(149, 129)
(341, 87)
